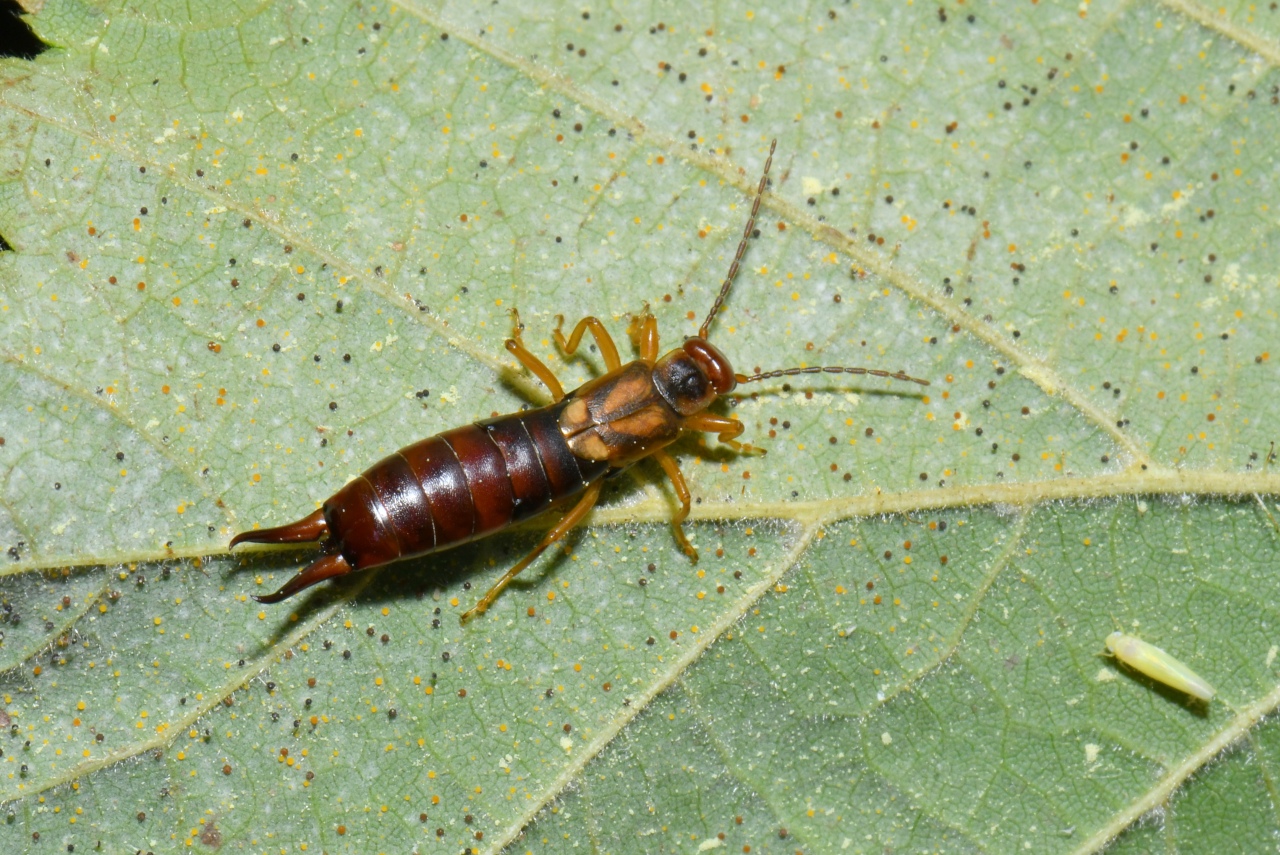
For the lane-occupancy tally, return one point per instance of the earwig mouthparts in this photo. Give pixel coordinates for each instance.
(306, 530)
(325, 567)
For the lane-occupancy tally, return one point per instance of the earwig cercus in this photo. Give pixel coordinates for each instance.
(472, 481)
(1158, 665)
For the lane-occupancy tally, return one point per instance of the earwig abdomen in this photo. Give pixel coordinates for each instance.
(442, 491)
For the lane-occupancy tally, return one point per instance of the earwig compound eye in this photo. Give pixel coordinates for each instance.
(1155, 663)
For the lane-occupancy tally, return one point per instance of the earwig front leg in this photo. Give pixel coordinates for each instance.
(515, 344)
(672, 469)
(562, 528)
(726, 430)
(604, 341)
(644, 334)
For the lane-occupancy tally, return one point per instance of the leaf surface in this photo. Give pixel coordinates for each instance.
(253, 248)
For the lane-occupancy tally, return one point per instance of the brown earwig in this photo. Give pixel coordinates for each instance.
(472, 481)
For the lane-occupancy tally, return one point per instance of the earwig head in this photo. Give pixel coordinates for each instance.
(690, 378)
(713, 363)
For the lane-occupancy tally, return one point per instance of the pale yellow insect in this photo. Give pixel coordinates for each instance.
(1158, 665)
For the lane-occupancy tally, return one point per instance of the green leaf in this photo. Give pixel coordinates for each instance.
(255, 248)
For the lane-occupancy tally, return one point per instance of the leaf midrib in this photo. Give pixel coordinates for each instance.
(657, 509)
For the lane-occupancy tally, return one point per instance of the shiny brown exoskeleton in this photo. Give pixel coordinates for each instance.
(472, 481)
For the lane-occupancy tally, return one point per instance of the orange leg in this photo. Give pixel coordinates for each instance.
(516, 345)
(644, 333)
(604, 341)
(562, 528)
(682, 492)
(726, 430)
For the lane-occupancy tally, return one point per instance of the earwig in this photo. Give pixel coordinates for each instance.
(1158, 665)
(472, 481)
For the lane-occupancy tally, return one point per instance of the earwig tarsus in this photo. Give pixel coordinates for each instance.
(475, 480)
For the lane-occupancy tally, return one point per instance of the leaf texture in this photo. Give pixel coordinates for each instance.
(249, 249)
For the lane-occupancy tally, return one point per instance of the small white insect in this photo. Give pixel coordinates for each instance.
(1158, 665)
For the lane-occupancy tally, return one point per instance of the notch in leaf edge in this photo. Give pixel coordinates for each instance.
(17, 39)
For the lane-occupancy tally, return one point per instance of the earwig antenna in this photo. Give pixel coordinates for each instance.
(742, 246)
(733, 274)
(830, 369)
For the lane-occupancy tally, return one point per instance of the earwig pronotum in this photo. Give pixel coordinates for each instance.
(472, 481)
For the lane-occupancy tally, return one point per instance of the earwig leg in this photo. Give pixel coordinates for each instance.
(325, 567)
(516, 345)
(726, 430)
(669, 466)
(604, 341)
(562, 528)
(306, 530)
(644, 332)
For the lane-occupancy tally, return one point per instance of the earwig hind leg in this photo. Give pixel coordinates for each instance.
(608, 350)
(306, 530)
(515, 345)
(325, 567)
(562, 528)
(725, 430)
(643, 330)
(672, 469)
